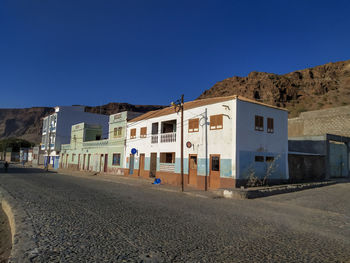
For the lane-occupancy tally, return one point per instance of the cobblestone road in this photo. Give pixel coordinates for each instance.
(82, 220)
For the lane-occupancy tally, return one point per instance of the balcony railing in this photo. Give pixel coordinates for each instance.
(65, 147)
(154, 138)
(168, 137)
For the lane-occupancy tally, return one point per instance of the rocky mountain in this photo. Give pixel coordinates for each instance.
(314, 88)
(27, 123)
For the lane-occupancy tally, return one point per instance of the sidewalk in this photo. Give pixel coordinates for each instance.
(138, 182)
(232, 193)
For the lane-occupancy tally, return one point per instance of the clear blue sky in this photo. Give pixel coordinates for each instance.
(64, 52)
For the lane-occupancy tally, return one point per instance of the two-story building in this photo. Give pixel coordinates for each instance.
(226, 140)
(57, 129)
(87, 151)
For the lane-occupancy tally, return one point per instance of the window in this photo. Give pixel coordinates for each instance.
(133, 133)
(116, 159)
(193, 125)
(215, 163)
(259, 123)
(143, 132)
(98, 137)
(259, 158)
(270, 158)
(216, 122)
(73, 157)
(269, 125)
(167, 157)
(118, 132)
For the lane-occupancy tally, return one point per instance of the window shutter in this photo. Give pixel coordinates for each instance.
(196, 124)
(143, 132)
(133, 133)
(193, 125)
(219, 120)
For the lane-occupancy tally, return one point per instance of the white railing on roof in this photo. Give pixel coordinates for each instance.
(95, 143)
(65, 147)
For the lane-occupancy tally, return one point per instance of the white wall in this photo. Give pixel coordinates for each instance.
(250, 140)
(219, 141)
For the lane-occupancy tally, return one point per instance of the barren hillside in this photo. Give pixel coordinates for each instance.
(314, 88)
(27, 123)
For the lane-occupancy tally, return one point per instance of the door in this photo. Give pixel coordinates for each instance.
(84, 156)
(88, 162)
(214, 174)
(153, 165)
(131, 164)
(101, 162)
(105, 164)
(79, 162)
(67, 160)
(141, 164)
(192, 169)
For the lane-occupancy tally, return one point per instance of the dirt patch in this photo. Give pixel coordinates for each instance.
(5, 237)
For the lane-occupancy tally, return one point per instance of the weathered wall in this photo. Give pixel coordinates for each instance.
(335, 121)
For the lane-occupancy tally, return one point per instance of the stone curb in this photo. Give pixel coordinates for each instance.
(268, 191)
(24, 248)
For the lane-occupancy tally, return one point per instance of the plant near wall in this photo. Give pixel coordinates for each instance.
(252, 179)
(271, 167)
(255, 181)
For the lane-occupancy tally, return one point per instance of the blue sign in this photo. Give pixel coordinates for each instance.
(133, 151)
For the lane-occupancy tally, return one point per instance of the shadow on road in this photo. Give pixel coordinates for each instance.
(17, 169)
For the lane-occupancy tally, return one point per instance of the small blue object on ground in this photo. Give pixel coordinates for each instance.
(157, 181)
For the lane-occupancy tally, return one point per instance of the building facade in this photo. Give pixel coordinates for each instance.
(87, 151)
(57, 129)
(226, 140)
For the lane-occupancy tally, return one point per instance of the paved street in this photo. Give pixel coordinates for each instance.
(88, 220)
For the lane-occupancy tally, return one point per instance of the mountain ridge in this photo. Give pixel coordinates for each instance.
(319, 87)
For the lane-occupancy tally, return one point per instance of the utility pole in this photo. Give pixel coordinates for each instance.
(49, 146)
(206, 149)
(179, 106)
(182, 142)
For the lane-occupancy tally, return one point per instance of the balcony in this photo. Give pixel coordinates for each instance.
(168, 137)
(154, 138)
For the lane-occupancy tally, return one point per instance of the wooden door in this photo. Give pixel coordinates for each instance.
(192, 169)
(84, 156)
(78, 161)
(67, 155)
(153, 165)
(88, 162)
(214, 174)
(141, 164)
(105, 168)
(131, 164)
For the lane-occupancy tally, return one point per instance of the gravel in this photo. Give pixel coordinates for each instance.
(79, 219)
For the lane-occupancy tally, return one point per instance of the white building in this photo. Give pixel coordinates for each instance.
(57, 128)
(244, 138)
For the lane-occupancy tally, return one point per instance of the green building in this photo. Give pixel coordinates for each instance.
(90, 152)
